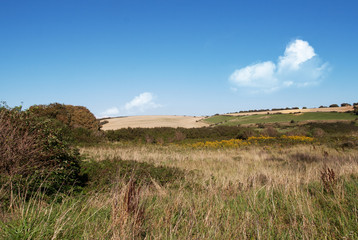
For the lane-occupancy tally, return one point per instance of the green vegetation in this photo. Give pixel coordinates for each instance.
(174, 135)
(102, 175)
(35, 153)
(272, 118)
(278, 179)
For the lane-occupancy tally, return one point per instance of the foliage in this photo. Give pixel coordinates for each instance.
(35, 153)
(335, 128)
(169, 135)
(104, 173)
(72, 116)
(262, 140)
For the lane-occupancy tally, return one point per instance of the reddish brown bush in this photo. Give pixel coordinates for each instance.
(72, 116)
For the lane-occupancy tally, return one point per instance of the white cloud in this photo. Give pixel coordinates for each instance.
(295, 54)
(299, 66)
(142, 102)
(255, 75)
(111, 112)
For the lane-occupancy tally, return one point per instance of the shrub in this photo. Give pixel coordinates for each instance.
(35, 150)
(245, 134)
(333, 105)
(304, 107)
(72, 116)
(147, 135)
(345, 104)
(270, 131)
(318, 132)
(104, 173)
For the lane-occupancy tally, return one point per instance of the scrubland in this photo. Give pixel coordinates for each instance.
(271, 182)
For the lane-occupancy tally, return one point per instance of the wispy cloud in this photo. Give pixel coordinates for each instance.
(299, 66)
(142, 102)
(110, 112)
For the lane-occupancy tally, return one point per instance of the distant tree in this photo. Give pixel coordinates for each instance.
(345, 104)
(333, 105)
(304, 107)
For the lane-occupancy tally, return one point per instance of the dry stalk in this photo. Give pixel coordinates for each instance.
(328, 178)
(127, 213)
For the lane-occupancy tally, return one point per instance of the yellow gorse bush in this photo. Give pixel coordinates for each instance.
(236, 143)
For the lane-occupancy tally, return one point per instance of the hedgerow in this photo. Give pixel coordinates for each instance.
(35, 153)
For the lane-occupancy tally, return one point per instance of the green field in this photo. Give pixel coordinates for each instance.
(272, 118)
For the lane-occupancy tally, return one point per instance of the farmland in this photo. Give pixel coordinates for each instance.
(230, 120)
(153, 121)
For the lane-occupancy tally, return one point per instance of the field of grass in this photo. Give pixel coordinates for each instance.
(272, 118)
(179, 192)
(273, 181)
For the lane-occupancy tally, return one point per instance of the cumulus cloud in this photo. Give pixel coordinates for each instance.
(299, 66)
(142, 102)
(295, 54)
(255, 75)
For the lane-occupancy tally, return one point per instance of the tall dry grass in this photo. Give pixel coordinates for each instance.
(291, 166)
(299, 192)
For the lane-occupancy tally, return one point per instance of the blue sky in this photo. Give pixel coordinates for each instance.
(178, 57)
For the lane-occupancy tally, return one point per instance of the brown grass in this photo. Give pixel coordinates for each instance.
(290, 166)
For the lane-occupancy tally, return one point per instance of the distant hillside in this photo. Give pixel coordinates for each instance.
(152, 121)
(232, 120)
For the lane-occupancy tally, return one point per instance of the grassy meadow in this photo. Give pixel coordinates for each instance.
(270, 182)
(228, 120)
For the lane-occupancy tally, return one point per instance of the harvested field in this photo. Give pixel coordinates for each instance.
(153, 121)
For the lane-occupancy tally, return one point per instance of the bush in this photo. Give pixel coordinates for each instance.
(270, 132)
(72, 116)
(35, 151)
(345, 104)
(166, 134)
(333, 105)
(104, 173)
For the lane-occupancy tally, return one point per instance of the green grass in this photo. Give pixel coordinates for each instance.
(309, 212)
(219, 119)
(265, 118)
